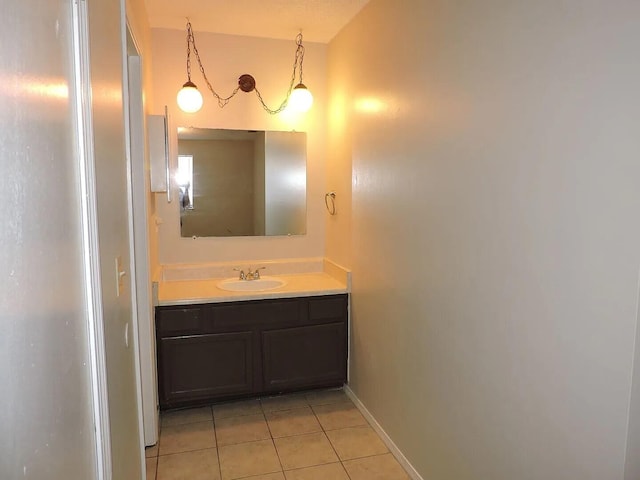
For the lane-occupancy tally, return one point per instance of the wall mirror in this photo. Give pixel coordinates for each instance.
(241, 183)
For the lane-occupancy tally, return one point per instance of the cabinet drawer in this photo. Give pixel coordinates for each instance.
(231, 317)
(326, 308)
(280, 312)
(173, 322)
(254, 314)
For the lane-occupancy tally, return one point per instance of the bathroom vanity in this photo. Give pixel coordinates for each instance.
(227, 349)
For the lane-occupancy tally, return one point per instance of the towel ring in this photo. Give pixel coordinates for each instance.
(330, 202)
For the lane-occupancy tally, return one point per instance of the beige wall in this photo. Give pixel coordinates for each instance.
(341, 85)
(225, 58)
(495, 243)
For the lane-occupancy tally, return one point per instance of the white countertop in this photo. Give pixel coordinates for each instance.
(185, 292)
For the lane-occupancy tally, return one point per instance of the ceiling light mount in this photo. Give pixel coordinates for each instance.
(298, 96)
(247, 83)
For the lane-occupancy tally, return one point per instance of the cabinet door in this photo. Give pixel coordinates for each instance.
(309, 356)
(205, 366)
(180, 321)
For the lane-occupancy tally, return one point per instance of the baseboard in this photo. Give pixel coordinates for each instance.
(395, 451)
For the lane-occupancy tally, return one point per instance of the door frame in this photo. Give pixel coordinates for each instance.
(142, 264)
(90, 242)
(134, 148)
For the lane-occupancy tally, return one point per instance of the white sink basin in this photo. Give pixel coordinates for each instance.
(264, 283)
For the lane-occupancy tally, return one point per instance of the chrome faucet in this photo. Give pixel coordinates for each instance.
(254, 275)
(241, 276)
(250, 275)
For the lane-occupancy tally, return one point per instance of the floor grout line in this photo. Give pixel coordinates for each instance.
(217, 445)
(155, 473)
(188, 451)
(330, 443)
(273, 442)
(264, 414)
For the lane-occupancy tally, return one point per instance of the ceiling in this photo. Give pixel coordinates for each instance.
(319, 20)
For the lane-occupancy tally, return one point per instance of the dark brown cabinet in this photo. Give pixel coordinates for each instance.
(217, 351)
(303, 357)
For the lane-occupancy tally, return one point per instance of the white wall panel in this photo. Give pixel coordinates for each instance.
(46, 403)
(495, 235)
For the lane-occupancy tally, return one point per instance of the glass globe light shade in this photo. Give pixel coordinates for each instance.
(189, 98)
(301, 98)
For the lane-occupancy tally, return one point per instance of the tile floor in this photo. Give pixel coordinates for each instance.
(313, 436)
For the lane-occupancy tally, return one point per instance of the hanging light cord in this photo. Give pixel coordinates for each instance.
(223, 101)
(191, 43)
(297, 63)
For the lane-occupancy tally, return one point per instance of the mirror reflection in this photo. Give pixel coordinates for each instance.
(241, 183)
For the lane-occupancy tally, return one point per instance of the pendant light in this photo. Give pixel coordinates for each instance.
(301, 98)
(298, 98)
(189, 98)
